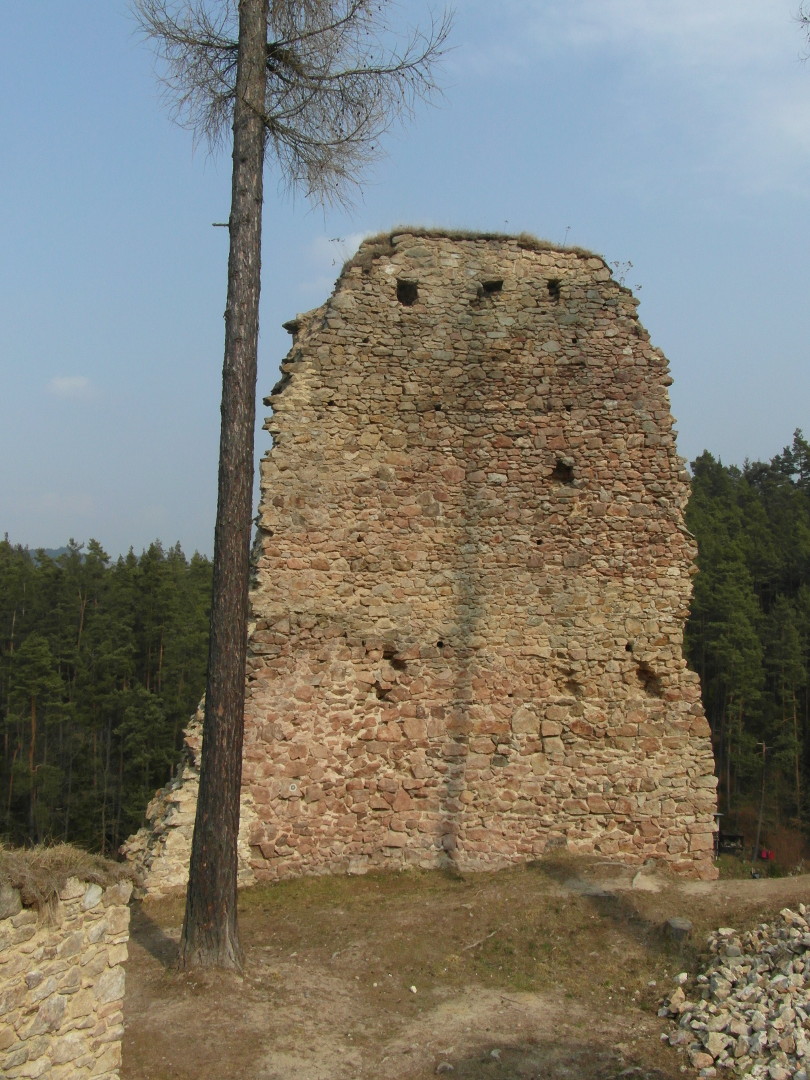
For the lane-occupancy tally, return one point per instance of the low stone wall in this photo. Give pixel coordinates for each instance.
(62, 982)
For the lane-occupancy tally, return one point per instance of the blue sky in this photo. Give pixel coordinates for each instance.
(673, 135)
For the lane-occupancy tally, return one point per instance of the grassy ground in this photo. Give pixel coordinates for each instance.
(554, 970)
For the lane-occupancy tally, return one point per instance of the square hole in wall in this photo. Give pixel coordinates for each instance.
(407, 292)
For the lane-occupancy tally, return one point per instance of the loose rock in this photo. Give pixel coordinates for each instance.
(750, 1010)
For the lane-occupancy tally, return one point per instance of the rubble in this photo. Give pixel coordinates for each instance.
(749, 1011)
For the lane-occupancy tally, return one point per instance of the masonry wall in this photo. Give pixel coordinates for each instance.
(161, 850)
(473, 575)
(62, 983)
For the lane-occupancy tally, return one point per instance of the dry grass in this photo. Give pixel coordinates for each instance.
(40, 873)
(520, 930)
(381, 977)
(382, 244)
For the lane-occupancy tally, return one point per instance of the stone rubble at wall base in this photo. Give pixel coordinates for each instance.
(749, 1012)
(161, 850)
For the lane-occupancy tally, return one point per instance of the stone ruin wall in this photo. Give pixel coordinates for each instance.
(473, 575)
(161, 850)
(62, 983)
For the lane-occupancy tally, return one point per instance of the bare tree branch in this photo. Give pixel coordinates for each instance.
(336, 79)
(803, 19)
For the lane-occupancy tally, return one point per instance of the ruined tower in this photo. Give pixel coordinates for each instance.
(473, 575)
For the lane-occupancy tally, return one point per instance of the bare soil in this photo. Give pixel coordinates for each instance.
(553, 971)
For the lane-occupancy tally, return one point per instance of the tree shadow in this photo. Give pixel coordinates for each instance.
(147, 933)
(553, 1059)
(469, 612)
(620, 908)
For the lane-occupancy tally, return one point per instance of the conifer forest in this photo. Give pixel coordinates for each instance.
(748, 635)
(102, 662)
(101, 665)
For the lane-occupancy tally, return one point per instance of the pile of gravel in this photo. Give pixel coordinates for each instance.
(750, 1010)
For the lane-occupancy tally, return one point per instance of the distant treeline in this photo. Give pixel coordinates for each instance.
(101, 665)
(748, 636)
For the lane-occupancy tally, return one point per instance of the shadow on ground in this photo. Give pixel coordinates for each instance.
(148, 934)
(566, 1059)
(549, 971)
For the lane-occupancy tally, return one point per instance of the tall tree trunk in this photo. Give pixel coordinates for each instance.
(11, 787)
(210, 936)
(797, 767)
(32, 805)
(105, 795)
(68, 797)
(82, 609)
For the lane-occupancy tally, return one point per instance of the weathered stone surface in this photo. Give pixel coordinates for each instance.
(10, 902)
(472, 578)
(678, 928)
(110, 985)
(50, 1005)
(92, 896)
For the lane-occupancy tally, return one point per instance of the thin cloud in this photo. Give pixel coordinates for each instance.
(724, 34)
(724, 77)
(72, 387)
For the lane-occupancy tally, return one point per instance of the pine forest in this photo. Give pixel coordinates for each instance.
(102, 663)
(748, 637)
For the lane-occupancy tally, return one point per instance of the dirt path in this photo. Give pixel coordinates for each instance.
(551, 971)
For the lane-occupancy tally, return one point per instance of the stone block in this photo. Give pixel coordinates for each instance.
(10, 903)
(92, 896)
(48, 1017)
(68, 1047)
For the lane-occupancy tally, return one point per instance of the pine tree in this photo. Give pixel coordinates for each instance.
(317, 82)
